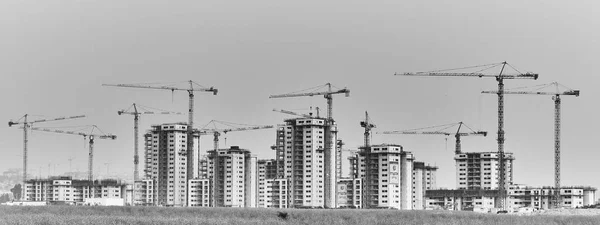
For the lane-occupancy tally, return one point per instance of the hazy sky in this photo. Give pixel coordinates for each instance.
(56, 54)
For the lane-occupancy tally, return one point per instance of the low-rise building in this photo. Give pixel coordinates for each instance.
(65, 190)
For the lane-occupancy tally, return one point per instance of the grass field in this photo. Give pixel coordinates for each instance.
(155, 215)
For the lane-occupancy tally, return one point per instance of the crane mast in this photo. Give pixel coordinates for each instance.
(26, 127)
(557, 102)
(136, 120)
(500, 79)
(91, 138)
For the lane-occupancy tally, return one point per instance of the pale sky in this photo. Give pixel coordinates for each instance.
(56, 54)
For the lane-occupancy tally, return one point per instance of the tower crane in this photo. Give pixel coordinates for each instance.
(216, 133)
(136, 115)
(368, 125)
(329, 139)
(457, 134)
(26, 126)
(190, 90)
(89, 136)
(556, 97)
(500, 77)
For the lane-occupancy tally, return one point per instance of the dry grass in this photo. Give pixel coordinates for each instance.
(155, 215)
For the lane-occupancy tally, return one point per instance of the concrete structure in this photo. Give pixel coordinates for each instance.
(301, 158)
(423, 179)
(387, 172)
(143, 192)
(234, 175)
(349, 193)
(166, 162)
(479, 170)
(272, 191)
(65, 190)
(518, 196)
(199, 192)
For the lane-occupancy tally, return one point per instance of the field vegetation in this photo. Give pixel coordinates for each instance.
(160, 215)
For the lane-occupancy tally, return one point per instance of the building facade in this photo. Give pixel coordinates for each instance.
(387, 173)
(233, 173)
(301, 157)
(479, 170)
(166, 163)
(518, 196)
(65, 190)
(272, 190)
(424, 178)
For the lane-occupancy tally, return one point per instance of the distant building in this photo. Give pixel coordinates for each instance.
(65, 190)
(233, 173)
(424, 178)
(166, 163)
(480, 170)
(518, 196)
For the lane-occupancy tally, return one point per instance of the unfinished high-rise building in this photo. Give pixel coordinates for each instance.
(233, 173)
(424, 178)
(480, 170)
(166, 162)
(387, 173)
(301, 157)
(272, 190)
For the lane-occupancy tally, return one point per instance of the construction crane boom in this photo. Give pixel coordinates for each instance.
(26, 125)
(292, 113)
(557, 100)
(91, 138)
(457, 134)
(136, 115)
(190, 90)
(500, 77)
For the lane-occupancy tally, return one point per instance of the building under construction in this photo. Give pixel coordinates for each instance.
(166, 162)
(65, 190)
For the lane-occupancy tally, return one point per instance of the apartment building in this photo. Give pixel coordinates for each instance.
(349, 193)
(272, 190)
(166, 162)
(69, 191)
(479, 170)
(301, 158)
(143, 192)
(387, 172)
(233, 173)
(518, 196)
(423, 179)
(199, 192)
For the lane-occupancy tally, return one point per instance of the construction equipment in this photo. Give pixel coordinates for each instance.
(500, 77)
(556, 97)
(26, 126)
(216, 133)
(293, 113)
(136, 115)
(91, 138)
(330, 181)
(190, 90)
(368, 125)
(457, 134)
